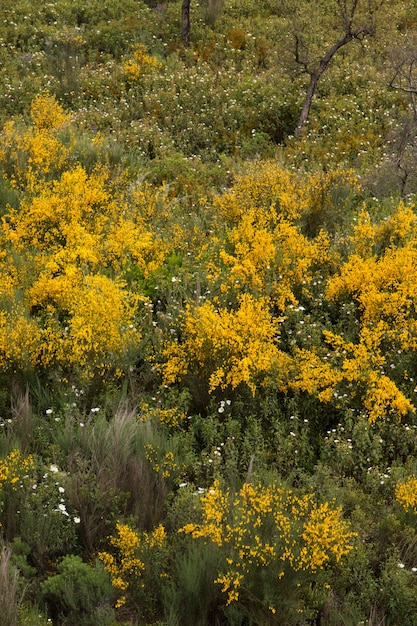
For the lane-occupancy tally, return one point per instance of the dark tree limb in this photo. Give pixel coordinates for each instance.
(185, 22)
(316, 73)
(404, 79)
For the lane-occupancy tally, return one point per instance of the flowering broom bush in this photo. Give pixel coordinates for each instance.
(226, 348)
(266, 535)
(64, 249)
(137, 566)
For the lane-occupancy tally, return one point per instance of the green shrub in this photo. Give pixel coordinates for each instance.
(190, 597)
(398, 594)
(32, 616)
(79, 595)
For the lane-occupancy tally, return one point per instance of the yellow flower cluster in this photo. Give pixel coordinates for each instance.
(69, 37)
(380, 278)
(313, 375)
(264, 250)
(215, 508)
(170, 417)
(61, 251)
(163, 464)
(266, 187)
(141, 63)
(14, 467)
(32, 155)
(325, 535)
(262, 526)
(360, 366)
(226, 347)
(131, 550)
(20, 337)
(406, 494)
(47, 114)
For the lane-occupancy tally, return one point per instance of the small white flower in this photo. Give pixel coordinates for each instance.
(49, 411)
(401, 565)
(77, 520)
(53, 468)
(63, 509)
(182, 484)
(61, 489)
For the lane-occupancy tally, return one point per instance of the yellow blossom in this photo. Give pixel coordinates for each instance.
(406, 494)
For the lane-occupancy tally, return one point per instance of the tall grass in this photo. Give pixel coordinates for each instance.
(109, 474)
(10, 596)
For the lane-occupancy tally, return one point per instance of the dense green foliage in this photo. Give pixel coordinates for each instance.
(208, 329)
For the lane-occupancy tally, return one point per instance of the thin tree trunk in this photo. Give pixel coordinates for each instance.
(185, 22)
(311, 90)
(316, 74)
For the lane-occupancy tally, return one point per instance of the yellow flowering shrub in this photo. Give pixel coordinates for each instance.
(380, 278)
(270, 188)
(71, 313)
(133, 554)
(395, 230)
(254, 251)
(271, 260)
(269, 527)
(90, 343)
(267, 188)
(227, 348)
(20, 338)
(62, 253)
(163, 464)
(382, 282)
(171, 417)
(377, 281)
(34, 154)
(263, 249)
(313, 375)
(14, 467)
(357, 367)
(406, 494)
(47, 114)
(141, 63)
(75, 220)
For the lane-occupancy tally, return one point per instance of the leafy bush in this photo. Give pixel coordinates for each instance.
(79, 593)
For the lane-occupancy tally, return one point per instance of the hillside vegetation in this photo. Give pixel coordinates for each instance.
(208, 323)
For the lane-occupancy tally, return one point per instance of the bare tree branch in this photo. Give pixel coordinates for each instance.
(316, 73)
(185, 22)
